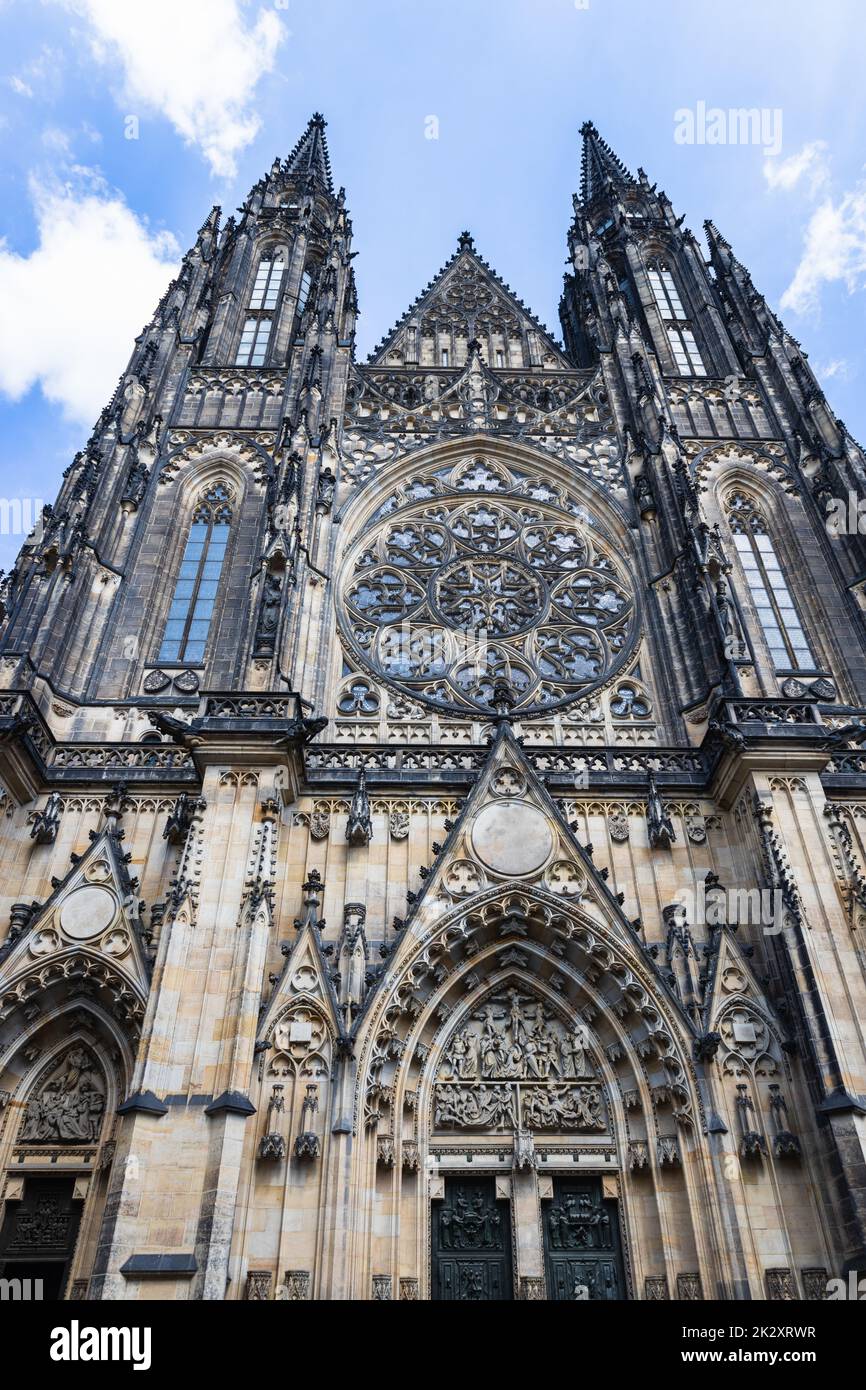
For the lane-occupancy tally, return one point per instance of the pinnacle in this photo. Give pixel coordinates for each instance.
(599, 165)
(310, 154)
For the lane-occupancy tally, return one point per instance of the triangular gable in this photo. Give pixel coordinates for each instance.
(468, 290)
(733, 998)
(511, 833)
(305, 976)
(93, 909)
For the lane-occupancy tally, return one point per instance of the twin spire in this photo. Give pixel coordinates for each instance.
(599, 165)
(601, 173)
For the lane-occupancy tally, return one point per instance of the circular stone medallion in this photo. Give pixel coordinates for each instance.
(510, 837)
(87, 912)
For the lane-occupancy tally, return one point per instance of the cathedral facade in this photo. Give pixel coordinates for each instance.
(379, 921)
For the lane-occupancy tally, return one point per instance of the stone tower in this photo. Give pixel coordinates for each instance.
(433, 799)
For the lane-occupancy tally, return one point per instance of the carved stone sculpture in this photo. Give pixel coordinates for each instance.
(359, 827)
(660, 828)
(689, 1287)
(45, 825)
(259, 1284)
(70, 1106)
(515, 1038)
(780, 1285)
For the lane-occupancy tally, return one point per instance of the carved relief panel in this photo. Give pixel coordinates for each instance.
(68, 1107)
(514, 1065)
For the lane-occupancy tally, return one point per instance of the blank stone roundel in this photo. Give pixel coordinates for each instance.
(510, 837)
(87, 912)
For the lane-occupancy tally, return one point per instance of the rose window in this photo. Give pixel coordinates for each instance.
(452, 589)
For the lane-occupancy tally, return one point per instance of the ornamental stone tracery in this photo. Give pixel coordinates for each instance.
(473, 575)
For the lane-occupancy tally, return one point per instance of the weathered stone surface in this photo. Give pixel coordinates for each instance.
(422, 949)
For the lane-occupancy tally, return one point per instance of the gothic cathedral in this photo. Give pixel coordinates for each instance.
(433, 803)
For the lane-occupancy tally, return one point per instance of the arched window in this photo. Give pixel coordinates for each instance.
(304, 291)
(261, 311)
(768, 587)
(189, 616)
(676, 322)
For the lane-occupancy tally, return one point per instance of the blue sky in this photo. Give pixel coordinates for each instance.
(93, 222)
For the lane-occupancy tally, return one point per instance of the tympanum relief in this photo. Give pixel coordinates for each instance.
(513, 1065)
(69, 1107)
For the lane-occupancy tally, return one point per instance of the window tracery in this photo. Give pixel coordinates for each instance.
(681, 338)
(779, 618)
(475, 575)
(195, 591)
(261, 311)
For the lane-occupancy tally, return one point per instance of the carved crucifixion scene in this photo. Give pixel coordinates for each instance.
(538, 1062)
(69, 1106)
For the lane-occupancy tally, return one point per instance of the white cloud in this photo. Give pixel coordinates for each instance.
(40, 76)
(57, 141)
(834, 249)
(839, 368)
(198, 62)
(809, 165)
(73, 306)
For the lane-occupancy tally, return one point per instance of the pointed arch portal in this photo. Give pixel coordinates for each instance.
(526, 1074)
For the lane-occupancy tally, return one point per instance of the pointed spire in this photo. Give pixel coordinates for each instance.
(721, 252)
(599, 165)
(310, 156)
(714, 236)
(209, 229)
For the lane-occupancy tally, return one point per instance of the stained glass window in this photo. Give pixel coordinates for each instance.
(777, 613)
(684, 348)
(253, 346)
(195, 591)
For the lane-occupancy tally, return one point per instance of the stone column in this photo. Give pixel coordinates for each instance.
(526, 1215)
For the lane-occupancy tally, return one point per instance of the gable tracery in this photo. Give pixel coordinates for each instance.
(467, 301)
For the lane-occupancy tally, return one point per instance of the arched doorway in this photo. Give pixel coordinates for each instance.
(56, 1148)
(38, 1235)
(519, 1093)
(531, 1106)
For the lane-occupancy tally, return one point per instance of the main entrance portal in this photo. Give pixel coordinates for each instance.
(581, 1243)
(471, 1243)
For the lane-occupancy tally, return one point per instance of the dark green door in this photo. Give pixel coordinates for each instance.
(581, 1242)
(38, 1236)
(471, 1243)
